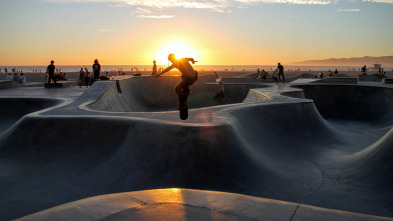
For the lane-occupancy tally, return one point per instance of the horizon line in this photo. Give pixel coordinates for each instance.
(291, 64)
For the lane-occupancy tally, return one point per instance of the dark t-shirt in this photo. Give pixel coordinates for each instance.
(51, 69)
(280, 69)
(184, 66)
(96, 68)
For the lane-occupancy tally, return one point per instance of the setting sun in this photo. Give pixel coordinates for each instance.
(181, 50)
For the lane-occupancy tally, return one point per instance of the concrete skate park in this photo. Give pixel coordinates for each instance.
(305, 150)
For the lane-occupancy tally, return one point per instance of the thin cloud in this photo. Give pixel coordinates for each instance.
(293, 17)
(214, 5)
(156, 16)
(380, 1)
(142, 11)
(178, 4)
(299, 2)
(348, 10)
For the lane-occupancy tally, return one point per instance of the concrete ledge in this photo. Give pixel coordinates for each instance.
(387, 81)
(174, 204)
(33, 84)
(371, 78)
(60, 84)
(9, 84)
(344, 80)
(240, 80)
(300, 76)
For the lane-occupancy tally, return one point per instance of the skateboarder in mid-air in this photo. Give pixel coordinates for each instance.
(188, 76)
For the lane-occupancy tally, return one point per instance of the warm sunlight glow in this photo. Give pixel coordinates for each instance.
(181, 50)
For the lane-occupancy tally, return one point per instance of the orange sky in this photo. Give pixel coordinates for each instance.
(233, 32)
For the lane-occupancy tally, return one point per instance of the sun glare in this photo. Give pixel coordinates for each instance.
(181, 50)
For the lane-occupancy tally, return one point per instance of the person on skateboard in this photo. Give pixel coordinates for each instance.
(188, 75)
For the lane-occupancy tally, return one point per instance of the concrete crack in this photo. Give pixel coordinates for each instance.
(293, 215)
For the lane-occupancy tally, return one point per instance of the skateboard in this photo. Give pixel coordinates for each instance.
(183, 107)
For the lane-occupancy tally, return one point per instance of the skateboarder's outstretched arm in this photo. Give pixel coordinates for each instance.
(165, 70)
(191, 59)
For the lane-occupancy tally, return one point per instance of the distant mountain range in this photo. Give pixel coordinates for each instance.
(386, 61)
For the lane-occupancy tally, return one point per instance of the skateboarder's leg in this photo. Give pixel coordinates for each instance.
(180, 87)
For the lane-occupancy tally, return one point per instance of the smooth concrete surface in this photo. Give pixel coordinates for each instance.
(186, 204)
(9, 84)
(13, 109)
(371, 77)
(326, 145)
(346, 80)
(60, 84)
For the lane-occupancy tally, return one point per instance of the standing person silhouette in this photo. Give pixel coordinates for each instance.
(96, 69)
(154, 68)
(188, 76)
(50, 70)
(280, 72)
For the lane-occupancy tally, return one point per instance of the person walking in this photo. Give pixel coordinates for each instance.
(87, 78)
(96, 69)
(154, 68)
(280, 72)
(50, 70)
(364, 70)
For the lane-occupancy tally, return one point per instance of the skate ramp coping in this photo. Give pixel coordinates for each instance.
(187, 204)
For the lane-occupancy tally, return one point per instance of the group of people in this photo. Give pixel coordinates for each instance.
(332, 73)
(276, 75)
(6, 70)
(87, 80)
(84, 76)
(380, 71)
(18, 78)
(262, 74)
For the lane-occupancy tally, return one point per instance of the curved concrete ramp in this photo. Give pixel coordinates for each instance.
(12, 109)
(186, 204)
(274, 144)
(145, 94)
(118, 158)
(370, 170)
(352, 102)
